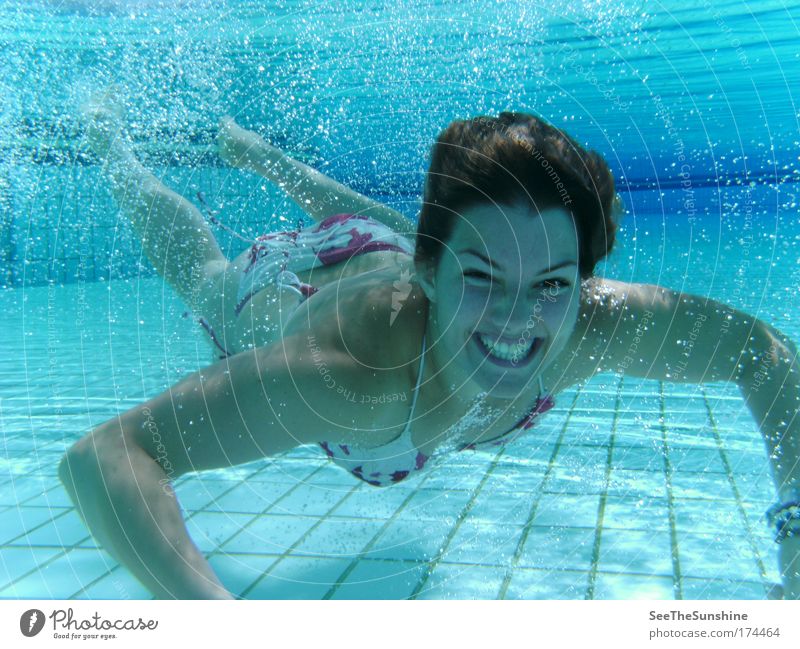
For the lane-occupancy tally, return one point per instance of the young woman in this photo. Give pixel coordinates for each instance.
(382, 350)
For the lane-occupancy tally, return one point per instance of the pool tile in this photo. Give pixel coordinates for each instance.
(380, 580)
(22, 490)
(240, 571)
(293, 472)
(755, 486)
(196, 493)
(55, 497)
(622, 586)
(547, 584)
(373, 503)
(209, 530)
(701, 485)
(412, 540)
(65, 530)
(696, 460)
(435, 505)
(16, 521)
(633, 431)
(300, 578)
(270, 534)
(558, 548)
(453, 581)
(515, 479)
(483, 543)
(310, 500)
(118, 585)
(327, 474)
(565, 510)
(637, 484)
(717, 557)
(63, 577)
(707, 516)
(586, 456)
(577, 480)
(632, 551)
(248, 497)
(507, 508)
(336, 538)
(748, 461)
(692, 588)
(16, 561)
(636, 513)
(637, 458)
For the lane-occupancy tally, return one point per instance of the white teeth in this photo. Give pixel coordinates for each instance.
(507, 352)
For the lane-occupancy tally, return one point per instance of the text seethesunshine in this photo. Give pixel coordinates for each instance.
(697, 615)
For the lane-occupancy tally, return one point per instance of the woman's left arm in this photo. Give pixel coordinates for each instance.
(656, 333)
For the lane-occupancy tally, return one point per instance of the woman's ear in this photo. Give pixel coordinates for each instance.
(426, 278)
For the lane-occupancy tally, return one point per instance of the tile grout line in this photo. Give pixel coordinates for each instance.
(302, 538)
(265, 510)
(601, 509)
(536, 499)
(732, 481)
(366, 549)
(433, 563)
(48, 561)
(677, 586)
(65, 551)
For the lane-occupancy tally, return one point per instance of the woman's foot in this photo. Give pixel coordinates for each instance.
(244, 149)
(103, 116)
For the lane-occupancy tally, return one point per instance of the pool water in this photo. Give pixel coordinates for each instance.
(628, 488)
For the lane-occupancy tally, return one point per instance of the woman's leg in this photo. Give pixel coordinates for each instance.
(315, 193)
(174, 235)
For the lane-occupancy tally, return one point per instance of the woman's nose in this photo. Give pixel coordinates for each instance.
(511, 312)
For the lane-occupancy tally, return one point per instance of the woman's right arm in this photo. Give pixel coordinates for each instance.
(315, 193)
(241, 409)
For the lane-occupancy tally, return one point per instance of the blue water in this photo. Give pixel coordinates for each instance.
(627, 489)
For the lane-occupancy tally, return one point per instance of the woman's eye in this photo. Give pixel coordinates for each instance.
(477, 274)
(556, 284)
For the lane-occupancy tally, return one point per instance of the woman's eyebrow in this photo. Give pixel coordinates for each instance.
(494, 264)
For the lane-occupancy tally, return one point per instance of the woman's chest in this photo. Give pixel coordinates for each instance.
(481, 424)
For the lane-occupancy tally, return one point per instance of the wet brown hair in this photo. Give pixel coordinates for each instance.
(511, 158)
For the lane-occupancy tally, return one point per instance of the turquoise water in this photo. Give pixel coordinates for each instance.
(627, 489)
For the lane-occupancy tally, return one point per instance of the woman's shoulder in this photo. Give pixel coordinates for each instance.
(377, 318)
(371, 326)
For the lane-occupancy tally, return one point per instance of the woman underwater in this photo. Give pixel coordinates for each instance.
(461, 339)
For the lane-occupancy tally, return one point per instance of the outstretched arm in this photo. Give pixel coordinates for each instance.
(236, 411)
(656, 333)
(314, 192)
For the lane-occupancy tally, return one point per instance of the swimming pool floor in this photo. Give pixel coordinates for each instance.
(626, 489)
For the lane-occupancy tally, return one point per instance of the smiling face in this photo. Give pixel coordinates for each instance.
(504, 296)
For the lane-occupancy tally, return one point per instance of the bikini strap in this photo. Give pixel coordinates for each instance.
(406, 430)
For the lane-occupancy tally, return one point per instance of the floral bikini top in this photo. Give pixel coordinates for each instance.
(395, 461)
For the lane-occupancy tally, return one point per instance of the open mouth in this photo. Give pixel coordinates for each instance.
(505, 355)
